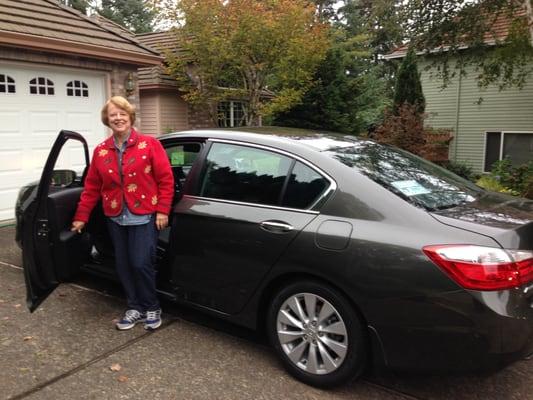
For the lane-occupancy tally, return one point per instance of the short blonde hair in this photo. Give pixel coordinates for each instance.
(119, 102)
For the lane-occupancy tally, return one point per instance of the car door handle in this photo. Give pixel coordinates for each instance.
(276, 226)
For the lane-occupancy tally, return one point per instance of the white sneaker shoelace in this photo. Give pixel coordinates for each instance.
(152, 315)
(132, 315)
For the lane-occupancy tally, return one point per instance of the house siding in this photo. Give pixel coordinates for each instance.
(458, 108)
(173, 112)
(163, 111)
(149, 112)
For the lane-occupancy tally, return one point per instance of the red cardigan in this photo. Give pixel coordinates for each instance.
(147, 184)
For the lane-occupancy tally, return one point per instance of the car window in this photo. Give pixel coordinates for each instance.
(182, 157)
(246, 174)
(416, 180)
(304, 187)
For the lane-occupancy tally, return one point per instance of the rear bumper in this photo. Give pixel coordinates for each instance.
(454, 332)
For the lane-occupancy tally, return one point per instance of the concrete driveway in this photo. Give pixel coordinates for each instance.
(69, 349)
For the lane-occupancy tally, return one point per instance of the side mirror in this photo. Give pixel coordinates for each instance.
(62, 177)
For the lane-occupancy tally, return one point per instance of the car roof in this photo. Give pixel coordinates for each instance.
(274, 136)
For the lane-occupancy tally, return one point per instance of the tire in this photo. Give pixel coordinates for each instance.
(324, 345)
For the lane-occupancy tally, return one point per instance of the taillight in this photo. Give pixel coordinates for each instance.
(483, 268)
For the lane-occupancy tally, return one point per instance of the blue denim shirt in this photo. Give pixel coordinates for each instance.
(126, 217)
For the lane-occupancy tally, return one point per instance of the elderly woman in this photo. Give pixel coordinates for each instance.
(131, 174)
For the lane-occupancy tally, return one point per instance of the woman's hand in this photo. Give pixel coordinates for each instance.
(77, 226)
(161, 221)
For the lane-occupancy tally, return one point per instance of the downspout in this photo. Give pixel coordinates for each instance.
(457, 111)
(529, 13)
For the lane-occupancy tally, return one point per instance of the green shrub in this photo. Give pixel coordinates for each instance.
(491, 183)
(504, 177)
(462, 169)
(515, 178)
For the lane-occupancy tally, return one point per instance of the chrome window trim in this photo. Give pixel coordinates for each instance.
(242, 203)
(330, 189)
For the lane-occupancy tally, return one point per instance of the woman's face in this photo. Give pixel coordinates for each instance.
(119, 120)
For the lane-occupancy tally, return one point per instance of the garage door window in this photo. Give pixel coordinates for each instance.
(77, 89)
(42, 86)
(7, 84)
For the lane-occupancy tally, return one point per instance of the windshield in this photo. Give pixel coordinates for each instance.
(416, 180)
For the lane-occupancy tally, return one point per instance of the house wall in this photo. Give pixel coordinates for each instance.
(173, 112)
(149, 110)
(163, 111)
(200, 119)
(458, 107)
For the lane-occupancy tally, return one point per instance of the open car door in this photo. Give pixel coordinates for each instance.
(51, 253)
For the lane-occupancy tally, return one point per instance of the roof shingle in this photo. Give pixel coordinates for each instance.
(45, 20)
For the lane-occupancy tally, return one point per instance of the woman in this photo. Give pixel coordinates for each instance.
(131, 174)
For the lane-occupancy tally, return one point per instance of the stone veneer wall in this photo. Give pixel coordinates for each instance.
(199, 119)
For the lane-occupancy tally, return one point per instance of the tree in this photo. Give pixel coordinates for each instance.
(237, 49)
(447, 27)
(403, 129)
(325, 9)
(136, 15)
(80, 5)
(351, 89)
(408, 86)
(348, 95)
(383, 22)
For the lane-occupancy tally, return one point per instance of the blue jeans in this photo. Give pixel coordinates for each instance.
(135, 255)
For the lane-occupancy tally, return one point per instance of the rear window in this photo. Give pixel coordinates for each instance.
(416, 180)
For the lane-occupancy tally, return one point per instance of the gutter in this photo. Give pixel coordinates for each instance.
(77, 48)
(439, 50)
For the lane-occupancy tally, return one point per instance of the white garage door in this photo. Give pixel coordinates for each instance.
(35, 104)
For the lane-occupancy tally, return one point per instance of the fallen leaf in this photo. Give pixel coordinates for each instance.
(26, 338)
(16, 305)
(24, 369)
(122, 378)
(115, 367)
(62, 295)
(5, 318)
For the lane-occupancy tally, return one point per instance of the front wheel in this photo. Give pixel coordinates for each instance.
(317, 334)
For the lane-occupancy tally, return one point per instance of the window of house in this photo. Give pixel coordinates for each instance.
(517, 146)
(244, 174)
(7, 84)
(77, 89)
(42, 86)
(230, 114)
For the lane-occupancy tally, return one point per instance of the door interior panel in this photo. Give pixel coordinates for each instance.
(69, 249)
(97, 227)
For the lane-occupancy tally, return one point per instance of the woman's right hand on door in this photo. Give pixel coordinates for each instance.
(77, 226)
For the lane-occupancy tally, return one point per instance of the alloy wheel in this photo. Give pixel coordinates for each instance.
(312, 333)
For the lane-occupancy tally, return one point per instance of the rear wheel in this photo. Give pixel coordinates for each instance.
(317, 334)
